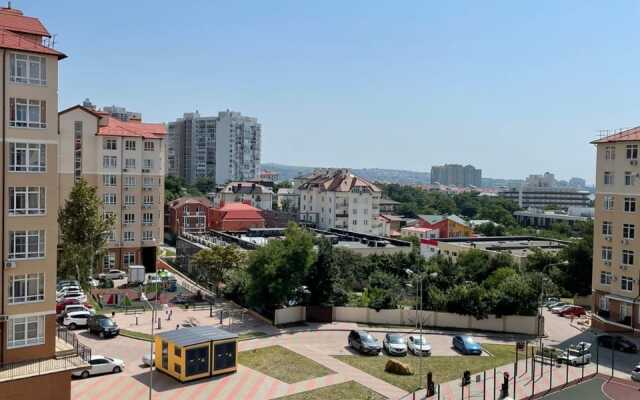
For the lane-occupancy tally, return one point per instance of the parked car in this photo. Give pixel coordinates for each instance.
(573, 311)
(100, 365)
(559, 309)
(394, 344)
(103, 326)
(466, 345)
(68, 289)
(153, 279)
(94, 283)
(363, 342)
(576, 355)
(67, 282)
(73, 308)
(418, 345)
(556, 304)
(76, 319)
(635, 373)
(112, 274)
(148, 359)
(617, 343)
(79, 297)
(61, 304)
(550, 300)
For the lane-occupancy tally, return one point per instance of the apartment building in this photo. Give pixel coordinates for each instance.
(616, 274)
(29, 218)
(336, 198)
(541, 197)
(125, 161)
(456, 175)
(225, 148)
(252, 193)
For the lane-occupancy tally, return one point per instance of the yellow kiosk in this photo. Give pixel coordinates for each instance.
(194, 353)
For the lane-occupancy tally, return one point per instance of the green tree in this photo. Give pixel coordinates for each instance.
(83, 232)
(204, 184)
(322, 276)
(215, 263)
(384, 290)
(515, 295)
(469, 299)
(491, 229)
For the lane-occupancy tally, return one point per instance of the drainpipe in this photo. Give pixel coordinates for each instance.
(4, 185)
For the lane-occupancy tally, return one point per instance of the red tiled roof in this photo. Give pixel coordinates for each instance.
(13, 20)
(115, 127)
(239, 211)
(11, 40)
(629, 135)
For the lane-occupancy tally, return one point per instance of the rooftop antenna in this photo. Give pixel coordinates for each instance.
(53, 40)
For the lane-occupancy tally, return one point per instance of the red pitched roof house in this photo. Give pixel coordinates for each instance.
(188, 214)
(236, 217)
(18, 32)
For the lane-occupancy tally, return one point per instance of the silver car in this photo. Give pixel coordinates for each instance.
(394, 344)
(418, 345)
(635, 373)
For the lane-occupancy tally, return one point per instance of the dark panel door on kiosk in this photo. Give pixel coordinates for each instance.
(224, 356)
(197, 361)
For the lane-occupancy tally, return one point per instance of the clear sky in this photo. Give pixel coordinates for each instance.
(511, 87)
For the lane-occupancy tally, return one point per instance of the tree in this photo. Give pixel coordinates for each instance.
(491, 229)
(204, 184)
(579, 255)
(322, 276)
(83, 232)
(215, 263)
(384, 290)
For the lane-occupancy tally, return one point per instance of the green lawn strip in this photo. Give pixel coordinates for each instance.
(348, 390)
(136, 335)
(283, 364)
(444, 368)
(251, 335)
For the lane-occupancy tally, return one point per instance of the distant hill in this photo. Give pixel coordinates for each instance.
(288, 172)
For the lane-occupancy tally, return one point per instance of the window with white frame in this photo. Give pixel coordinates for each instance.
(147, 218)
(30, 69)
(605, 278)
(26, 244)
(627, 257)
(25, 331)
(109, 180)
(26, 288)
(111, 235)
(129, 218)
(109, 198)
(625, 311)
(129, 199)
(149, 181)
(628, 231)
(608, 178)
(630, 204)
(130, 145)
(129, 258)
(130, 163)
(604, 303)
(27, 113)
(27, 200)
(147, 235)
(129, 181)
(148, 164)
(27, 157)
(610, 152)
(607, 253)
(149, 146)
(129, 236)
(628, 178)
(632, 151)
(108, 261)
(607, 228)
(110, 144)
(109, 162)
(608, 202)
(626, 283)
(148, 199)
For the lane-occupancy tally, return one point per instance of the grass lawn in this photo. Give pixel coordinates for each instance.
(250, 335)
(282, 364)
(444, 368)
(348, 390)
(136, 335)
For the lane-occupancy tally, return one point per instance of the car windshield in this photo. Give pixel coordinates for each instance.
(368, 338)
(396, 339)
(468, 340)
(106, 322)
(418, 340)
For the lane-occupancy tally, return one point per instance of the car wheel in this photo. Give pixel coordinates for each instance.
(116, 370)
(101, 335)
(72, 326)
(84, 374)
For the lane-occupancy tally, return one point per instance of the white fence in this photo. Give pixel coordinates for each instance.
(290, 315)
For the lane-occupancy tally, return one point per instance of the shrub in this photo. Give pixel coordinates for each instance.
(397, 368)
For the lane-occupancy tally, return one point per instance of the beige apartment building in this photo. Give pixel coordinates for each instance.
(29, 218)
(616, 239)
(125, 161)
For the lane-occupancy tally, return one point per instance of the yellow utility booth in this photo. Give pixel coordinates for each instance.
(194, 353)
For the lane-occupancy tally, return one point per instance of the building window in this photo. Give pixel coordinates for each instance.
(629, 204)
(604, 303)
(129, 200)
(628, 231)
(355, 222)
(165, 355)
(129, 258)
(129, 218)
(129, 181)
(148, 164)
(177, 368)
(608, 202)
(147, 235)
(28, 69)
(108, 261)
(26, 244)
(626, 283)
(111, 235)
(148, 181)
(129, 236)
(149, 146)
(607, 253)
(607, 228)
(130, 163)
(27, 288)
(605, 278)
(610, 153)
(109, 162)
(608, 178)
(147, 218)
(109, 198)
(27, 200)
(77, 149)
(627, 257)
(148, 200)
(109, 180)
(25, 113)
(25, 331)
(27, 157)
(632, 152)
(110, 144)
(130, 145)
(628, 178)
(177, 351)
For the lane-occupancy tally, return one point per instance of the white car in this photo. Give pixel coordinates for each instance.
(100, 365)
(635, 373)
(78, 307)
(113, 274)
(559, 309)
(575, 356)
(76, 319)
(149, 359)
(68, 289)
(418, 345)
(94, 283)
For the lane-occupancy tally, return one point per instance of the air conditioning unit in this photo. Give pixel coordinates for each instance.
(145, 170)
(4, 318)
(607, 263)
(624, 267)
(10, 264)
(607, 238)
(146, 206)
(125, 170)
(633, 162)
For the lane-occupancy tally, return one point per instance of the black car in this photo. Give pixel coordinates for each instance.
(103, 326)
(363, 342)
(617, 343)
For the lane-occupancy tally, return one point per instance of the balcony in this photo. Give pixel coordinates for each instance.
(342, 214)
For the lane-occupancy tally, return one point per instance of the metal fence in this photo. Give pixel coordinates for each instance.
(10, 371)
(69, 337)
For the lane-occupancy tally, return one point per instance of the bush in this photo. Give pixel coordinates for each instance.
(397, 368)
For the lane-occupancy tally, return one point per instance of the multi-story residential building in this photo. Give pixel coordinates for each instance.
(288, 200)
(541, 197)
(225, 148)
(456, 175)
(257, 195)
(616, 274)
(125, 161)
(29, 219)
(339, 199)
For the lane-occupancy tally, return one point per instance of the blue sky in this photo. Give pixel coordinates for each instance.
(511, 87)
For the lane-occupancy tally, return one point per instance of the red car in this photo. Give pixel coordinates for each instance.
(62, 304)
(573, 311)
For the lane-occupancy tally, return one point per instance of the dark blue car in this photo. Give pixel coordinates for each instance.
(466, 345)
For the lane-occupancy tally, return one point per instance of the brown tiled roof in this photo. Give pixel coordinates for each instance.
(116, 127)
(339, 180)
(14, 41)
(629, 135)
(179, 202)
(13, 20)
